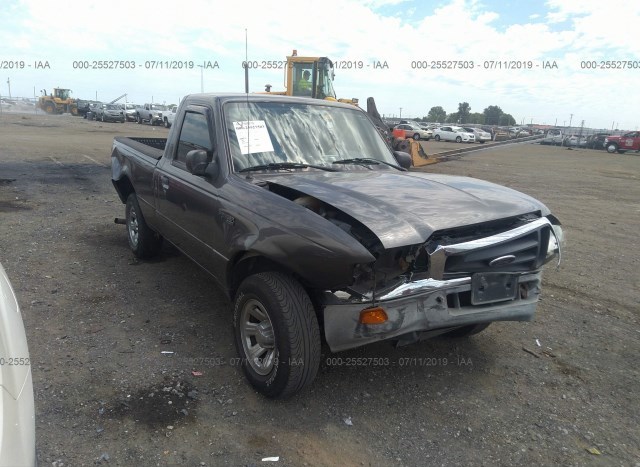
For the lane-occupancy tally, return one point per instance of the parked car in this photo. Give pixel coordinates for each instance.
(313, 227)
(151, 113)
(575, 141)
(554, 136)
(169, 116)
(109, 113)
(453, 133)
(481, 135)
(596, 141)
(17, 415)
(414, 131)
(130, 111)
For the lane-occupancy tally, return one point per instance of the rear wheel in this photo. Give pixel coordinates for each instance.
(416, 136)
(437, 138)
(276, 334)
(144, 242)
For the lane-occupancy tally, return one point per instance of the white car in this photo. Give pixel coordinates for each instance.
(453, 133)
(481, 135)
(17, 416)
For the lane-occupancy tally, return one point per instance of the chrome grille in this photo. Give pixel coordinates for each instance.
(528, 253)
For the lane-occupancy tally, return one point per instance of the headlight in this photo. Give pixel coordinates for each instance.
(556, 242)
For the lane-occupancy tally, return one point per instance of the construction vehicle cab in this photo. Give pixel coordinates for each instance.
(59, 101)
(309, 77)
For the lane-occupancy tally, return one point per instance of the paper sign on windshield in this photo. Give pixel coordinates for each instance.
(253, 136)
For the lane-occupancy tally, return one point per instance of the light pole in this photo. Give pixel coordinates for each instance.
(201, 78)
(400, 112)
(571, 118)
(9, 84)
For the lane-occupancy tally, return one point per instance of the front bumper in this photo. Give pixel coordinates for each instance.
(418, 308)
(434, 304)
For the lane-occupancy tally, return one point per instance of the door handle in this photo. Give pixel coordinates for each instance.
(165, 182)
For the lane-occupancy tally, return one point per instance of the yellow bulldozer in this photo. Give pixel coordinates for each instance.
(313, 77)
(59, 101)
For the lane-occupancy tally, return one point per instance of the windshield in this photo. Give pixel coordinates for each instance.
(158, 107)
(113, 107)
(263, 133)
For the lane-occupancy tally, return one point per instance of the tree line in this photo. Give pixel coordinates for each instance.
(492, 115)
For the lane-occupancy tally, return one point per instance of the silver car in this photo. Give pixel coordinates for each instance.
(481, 135)
(17, 418)
(414, 131)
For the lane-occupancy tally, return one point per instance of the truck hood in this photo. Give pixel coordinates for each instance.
(405, 208)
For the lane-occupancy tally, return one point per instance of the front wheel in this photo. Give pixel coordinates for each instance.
(458, 139)
(166, 123)
(139, 119)
(276, 334)
(611, 148)
(437, 138)
(144, 242)
(416, 137)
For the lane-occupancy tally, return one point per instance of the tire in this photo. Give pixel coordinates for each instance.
(138, 119)
(103, 118)
(481, 142)
(166, 123)
(458, 139)
(611, 148)
(621, 151)
(416, 137)
(274, 317)
(437, 138)
(144, 242)
(466, 331)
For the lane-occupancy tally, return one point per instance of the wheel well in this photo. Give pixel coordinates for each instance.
(124, 188)
(246, 265)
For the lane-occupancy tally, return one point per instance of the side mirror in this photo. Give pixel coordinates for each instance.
(198, 163)
(403, 158)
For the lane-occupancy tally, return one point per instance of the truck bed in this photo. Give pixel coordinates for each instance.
(152, 147)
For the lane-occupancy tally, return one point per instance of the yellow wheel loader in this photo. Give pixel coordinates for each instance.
(59, 101)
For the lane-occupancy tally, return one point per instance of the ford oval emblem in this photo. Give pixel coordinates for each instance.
(502, 261)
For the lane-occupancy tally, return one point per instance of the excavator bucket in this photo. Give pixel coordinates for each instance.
(418, 155)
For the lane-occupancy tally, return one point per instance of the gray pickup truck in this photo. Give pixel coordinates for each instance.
(151, 113)
(314, 228)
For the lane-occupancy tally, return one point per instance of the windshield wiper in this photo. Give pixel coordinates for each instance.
(366, 161)
(286, 165)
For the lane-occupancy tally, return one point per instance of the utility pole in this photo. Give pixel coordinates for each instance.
(400, 112)
(570, 120)
(9, 84)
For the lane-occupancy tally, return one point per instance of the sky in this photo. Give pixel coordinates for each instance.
(546, 62)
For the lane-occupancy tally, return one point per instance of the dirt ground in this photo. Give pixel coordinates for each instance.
(561, 390)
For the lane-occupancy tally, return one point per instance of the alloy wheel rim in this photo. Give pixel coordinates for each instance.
(258, 341)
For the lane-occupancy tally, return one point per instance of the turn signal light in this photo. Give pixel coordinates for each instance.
(373, 316)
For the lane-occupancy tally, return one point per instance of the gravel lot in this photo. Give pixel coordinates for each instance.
(562, 390)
